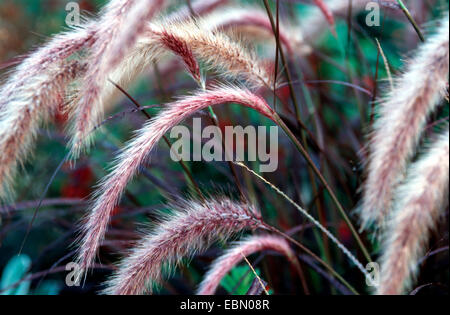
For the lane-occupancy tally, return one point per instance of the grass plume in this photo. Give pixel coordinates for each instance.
(117, 31)
(137, 152)
(30, 105)
(403, 115)
(419, 204)
(219, 51)
(190, 39)
(236, 254)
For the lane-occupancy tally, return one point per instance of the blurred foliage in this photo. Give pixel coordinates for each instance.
(16, 272)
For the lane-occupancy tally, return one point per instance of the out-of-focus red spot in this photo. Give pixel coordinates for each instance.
(79, 183)
(284, 94)
(82, 175)
(369, 82)
(86, 5)
(74, 191)
(117, 210)
(344, 232)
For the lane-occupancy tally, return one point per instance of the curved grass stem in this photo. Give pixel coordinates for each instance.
(308, 159)
(167, 141)
(319, 260)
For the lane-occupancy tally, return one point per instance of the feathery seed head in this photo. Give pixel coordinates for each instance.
(181, 48)
(218, 50)
(191, 228)
(138, 150)
(244, 248)
(402, 118)
(118, 27)
(32, 103)
(419, 203)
